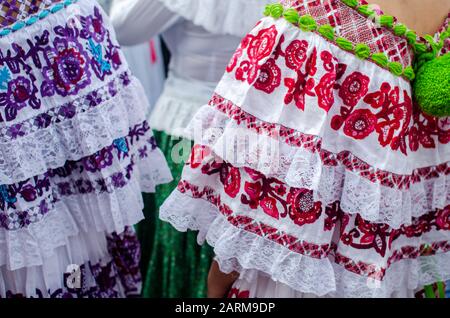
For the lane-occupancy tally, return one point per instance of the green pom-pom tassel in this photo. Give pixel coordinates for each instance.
(344, 44)
(362, 51)
(291, 15)
(307, 23)
(381, 59)
(351, 3)
(268, 10)
(431, 87)
(411, 36)
(400, 29)
(276, 10)
(387, 21)
(409, 73)
(365, 10)
(396, 68)
(327, 32)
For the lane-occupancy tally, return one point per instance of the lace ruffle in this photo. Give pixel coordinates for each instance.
(72, 139)
(77, 203)
(308, 166)
(234, 17)
(248, 253)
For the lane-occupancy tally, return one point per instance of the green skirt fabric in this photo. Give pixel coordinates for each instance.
(173, 264)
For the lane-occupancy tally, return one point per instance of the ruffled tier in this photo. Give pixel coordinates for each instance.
(99, 194)
(91, 265)
(255, 249)
(178, 103)
(71, 131)
(220, 17)
(299, 160)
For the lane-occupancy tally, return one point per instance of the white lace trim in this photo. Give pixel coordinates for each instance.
(72, 139)
(248, 253)
(301, 168)
(234, 17)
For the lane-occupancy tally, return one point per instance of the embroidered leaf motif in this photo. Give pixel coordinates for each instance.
(5, 77)
(96, 50)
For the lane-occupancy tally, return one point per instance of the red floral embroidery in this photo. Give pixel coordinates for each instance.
(303, 85)
(354, 88)
(295, 54)
(257, 48)
(269, 77)
(302, 208)
(198, 153)
(231, 179)
(443, 219)
(360, 124)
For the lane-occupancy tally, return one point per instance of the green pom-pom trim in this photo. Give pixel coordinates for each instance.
(307, 23)
(344, 44)
(276, 10)
(396, 68)
(365, 10)
(431, 87)
(351, 3)
(291, 15)
(381, 59)
(362, 51)
(420, 48)
(387, 21)
(411, 36)
(327, 31)
(268, 10)
(409, 73)
(400, 29)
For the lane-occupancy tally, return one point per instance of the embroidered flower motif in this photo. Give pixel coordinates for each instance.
(295, 54)
(302, 208)
(258, 48)
(254, 194)
(443, 219)
(99, 161)
(20, 93)
(66, 71)
(28, 193)
(354, 88)
(269, 77)
(325, 91)
(360, 124)
(231, 179)
(303, 85)
(269, 206)
(198, 153)
(92, 26)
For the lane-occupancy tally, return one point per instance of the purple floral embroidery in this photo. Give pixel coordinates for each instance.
(66, 71)
(16, 131)
(21, 93)
(93, 27)
(99, 161)
(67, 111)
(43, 120)
(118, 180)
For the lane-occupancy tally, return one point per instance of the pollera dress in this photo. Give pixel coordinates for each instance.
(201, 36)
(313, 172)
(76, 154)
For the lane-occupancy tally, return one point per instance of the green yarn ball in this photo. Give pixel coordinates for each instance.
(432, 87)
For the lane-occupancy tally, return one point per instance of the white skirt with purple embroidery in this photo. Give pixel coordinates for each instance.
(76, 154)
